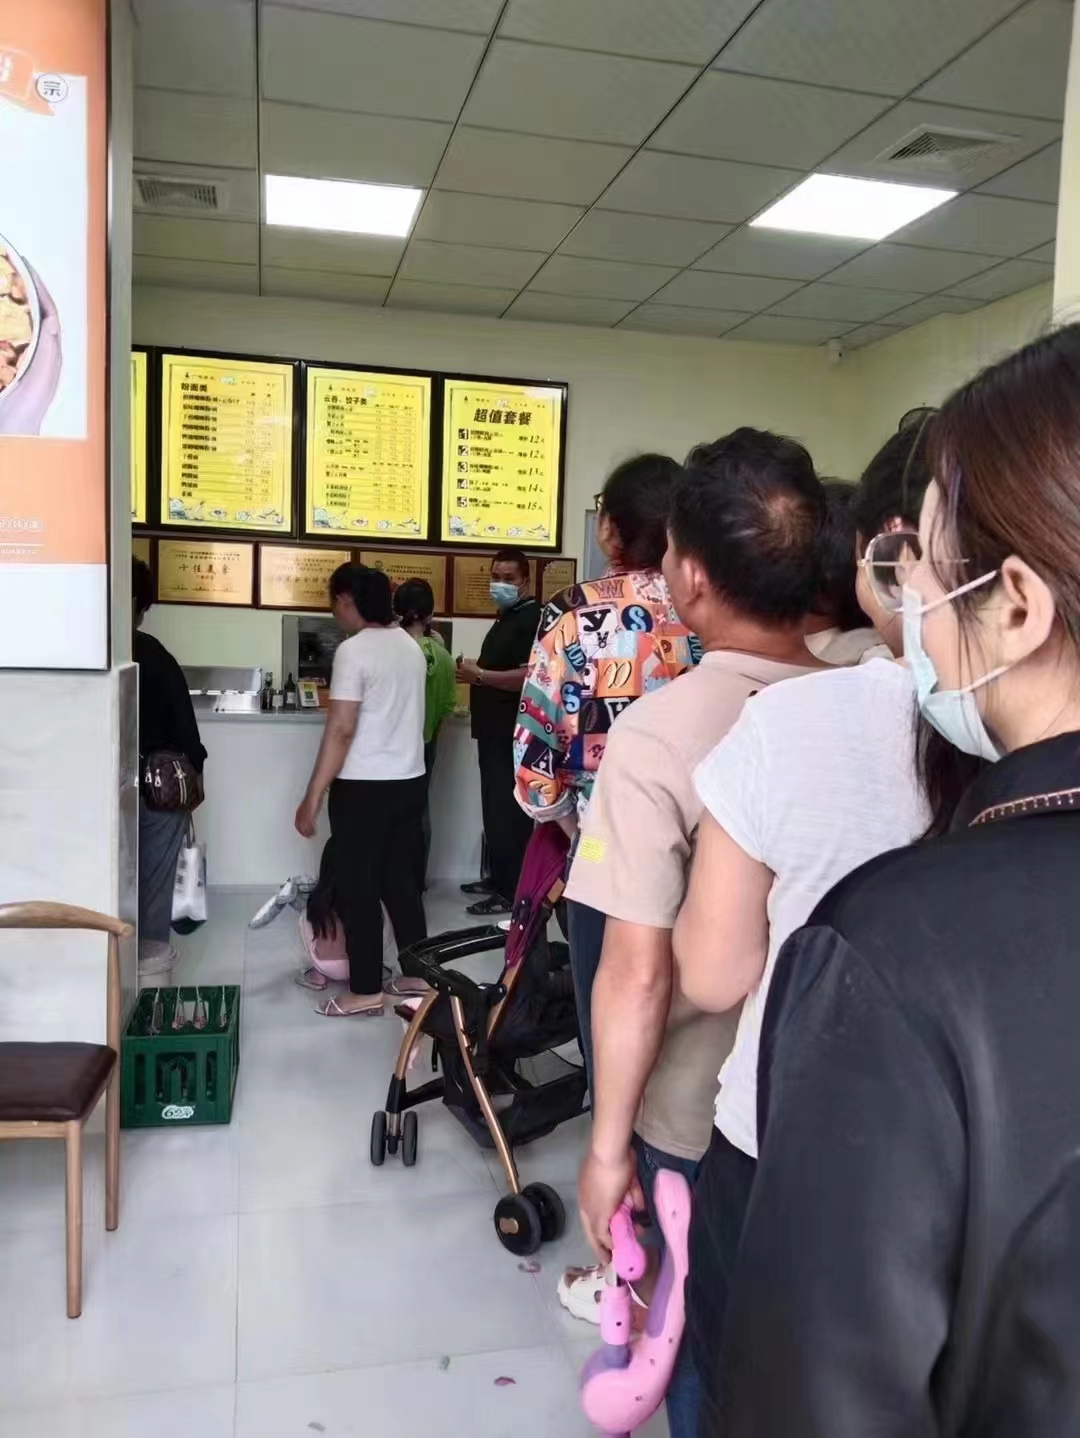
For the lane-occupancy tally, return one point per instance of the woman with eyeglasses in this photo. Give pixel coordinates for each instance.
(816, 777)
(909, 1260)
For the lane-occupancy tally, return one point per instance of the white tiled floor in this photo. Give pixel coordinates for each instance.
(266, 1281)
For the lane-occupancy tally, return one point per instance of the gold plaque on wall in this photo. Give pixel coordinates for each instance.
(403, 564)
(557, 574)
(295, 578)
(203, 572)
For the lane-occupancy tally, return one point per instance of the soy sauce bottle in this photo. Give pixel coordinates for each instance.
(266, 698)
(290, 695)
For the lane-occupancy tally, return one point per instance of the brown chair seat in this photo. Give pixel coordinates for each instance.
(51, 1082)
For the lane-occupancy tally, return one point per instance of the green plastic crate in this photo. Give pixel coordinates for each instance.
(180, 1075)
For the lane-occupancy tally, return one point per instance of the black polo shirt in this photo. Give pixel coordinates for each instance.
(507, 645)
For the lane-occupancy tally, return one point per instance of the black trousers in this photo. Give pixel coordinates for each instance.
(378, 850)
(721, 1199)
(506, 825)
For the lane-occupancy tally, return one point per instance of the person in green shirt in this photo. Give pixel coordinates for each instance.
(414, 604)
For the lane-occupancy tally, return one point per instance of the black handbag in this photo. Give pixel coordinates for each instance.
(170, 782)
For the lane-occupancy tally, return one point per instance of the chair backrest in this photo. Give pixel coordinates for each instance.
(39, 914)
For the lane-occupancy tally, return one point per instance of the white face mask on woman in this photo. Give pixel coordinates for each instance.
(954, 713)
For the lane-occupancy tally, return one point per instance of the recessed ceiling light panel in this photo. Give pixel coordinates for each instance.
(341, 205)
(852, 209)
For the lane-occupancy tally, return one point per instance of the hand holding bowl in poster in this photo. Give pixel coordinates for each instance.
(30, 358)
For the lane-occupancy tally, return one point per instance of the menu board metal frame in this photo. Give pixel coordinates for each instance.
(148, 495)
(297, 440)
(464, 545)
(336, 539)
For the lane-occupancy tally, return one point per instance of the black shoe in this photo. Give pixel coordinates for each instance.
(488, 908)
(478, 886)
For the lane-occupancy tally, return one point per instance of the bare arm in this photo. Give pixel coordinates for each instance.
(341, 722)
(631, 999)
(721, 937)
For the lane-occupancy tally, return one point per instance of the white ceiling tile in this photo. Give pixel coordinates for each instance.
(710, 290)
(312, 58)
(883, 47)
(784, 256)
(204, 45)
(684, 187)
(1045, 253)
(567, 309)
(604, 279)
(318, 250)
(335, 145)
(194, 274)
(785, 330)
(470, 264)
(195, 129)
(689, 30)
(822, 301)
(903, 267)
(451, 299)
(930, 306)
(1004, 279)
(1020, 66)
(682, 320)
(983, 224)
(573, 94)
(868, 335)
(1036, 178)
(489, 220)
(310, 284)
(475, 15)
(642, 239)
(238, 190)
(864, 155)
(764, 122)
(528, 167)
(179, 238)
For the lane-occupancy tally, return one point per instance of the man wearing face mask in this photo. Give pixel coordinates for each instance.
(495, 681)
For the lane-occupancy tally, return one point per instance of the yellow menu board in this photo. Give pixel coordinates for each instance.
(367, 453)
(201, 572)
(501, 463)
(138, 436)
(472, 581)
(402, 564)
(291, 578)
(226, 443)
(557, 574)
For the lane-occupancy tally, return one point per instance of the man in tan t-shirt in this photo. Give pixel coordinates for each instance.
(742, 567)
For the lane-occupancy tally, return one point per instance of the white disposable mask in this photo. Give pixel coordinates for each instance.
(954, 713)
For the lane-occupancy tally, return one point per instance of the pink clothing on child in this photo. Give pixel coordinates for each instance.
(328, 955)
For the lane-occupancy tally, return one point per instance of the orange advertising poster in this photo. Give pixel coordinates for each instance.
(53, 487)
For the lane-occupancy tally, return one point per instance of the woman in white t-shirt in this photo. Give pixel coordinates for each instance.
(816, 777)
(371, 760)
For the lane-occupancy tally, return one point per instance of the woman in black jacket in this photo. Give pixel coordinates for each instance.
(910, 1264)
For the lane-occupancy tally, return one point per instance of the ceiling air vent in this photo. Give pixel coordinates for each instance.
(931, 150)
(166, 195)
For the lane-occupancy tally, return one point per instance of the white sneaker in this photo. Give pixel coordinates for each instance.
(579, 1292)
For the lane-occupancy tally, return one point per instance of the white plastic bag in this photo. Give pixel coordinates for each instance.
(189, 890)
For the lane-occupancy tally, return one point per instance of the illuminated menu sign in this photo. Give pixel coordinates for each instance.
(292, 578)
(501, 463)
(367, 453)
(203, 572)
(138, 437)
(226, 443)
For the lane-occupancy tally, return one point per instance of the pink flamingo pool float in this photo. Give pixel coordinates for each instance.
(625, 1380)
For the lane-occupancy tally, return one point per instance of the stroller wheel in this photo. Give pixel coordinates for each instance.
(550, 1208)
(378, 1138)
(408, 1139)
(517, 1222)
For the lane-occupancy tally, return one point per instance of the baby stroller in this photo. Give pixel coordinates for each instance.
(482, 1032)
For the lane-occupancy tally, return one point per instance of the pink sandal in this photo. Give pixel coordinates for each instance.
(333, 1010)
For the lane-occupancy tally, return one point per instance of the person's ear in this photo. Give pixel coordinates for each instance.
(1024, 617)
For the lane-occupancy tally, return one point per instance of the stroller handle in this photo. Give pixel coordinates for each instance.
(426, 959)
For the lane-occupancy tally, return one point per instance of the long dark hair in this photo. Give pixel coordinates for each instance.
(944, 773)
(636, 498)
(322, 901)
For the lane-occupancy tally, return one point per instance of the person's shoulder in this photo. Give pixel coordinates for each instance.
(821, 696)
(147, 647)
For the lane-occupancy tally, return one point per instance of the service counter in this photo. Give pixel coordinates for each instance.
(257, 768)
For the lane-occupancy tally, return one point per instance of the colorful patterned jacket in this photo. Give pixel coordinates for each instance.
(600, 646)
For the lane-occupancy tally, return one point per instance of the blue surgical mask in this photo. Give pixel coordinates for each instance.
(954, 713)
(503, 596)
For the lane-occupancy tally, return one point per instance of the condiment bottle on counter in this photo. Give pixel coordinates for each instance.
(290, 694)
(266, 698)
(277, 702)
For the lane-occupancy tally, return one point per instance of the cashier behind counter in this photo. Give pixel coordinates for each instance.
(496, 679)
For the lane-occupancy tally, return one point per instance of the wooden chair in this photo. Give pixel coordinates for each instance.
(49, 1090)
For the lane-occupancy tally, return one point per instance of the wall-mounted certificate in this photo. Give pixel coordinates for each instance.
(403, 564)
(294, 578)
(200, 572)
